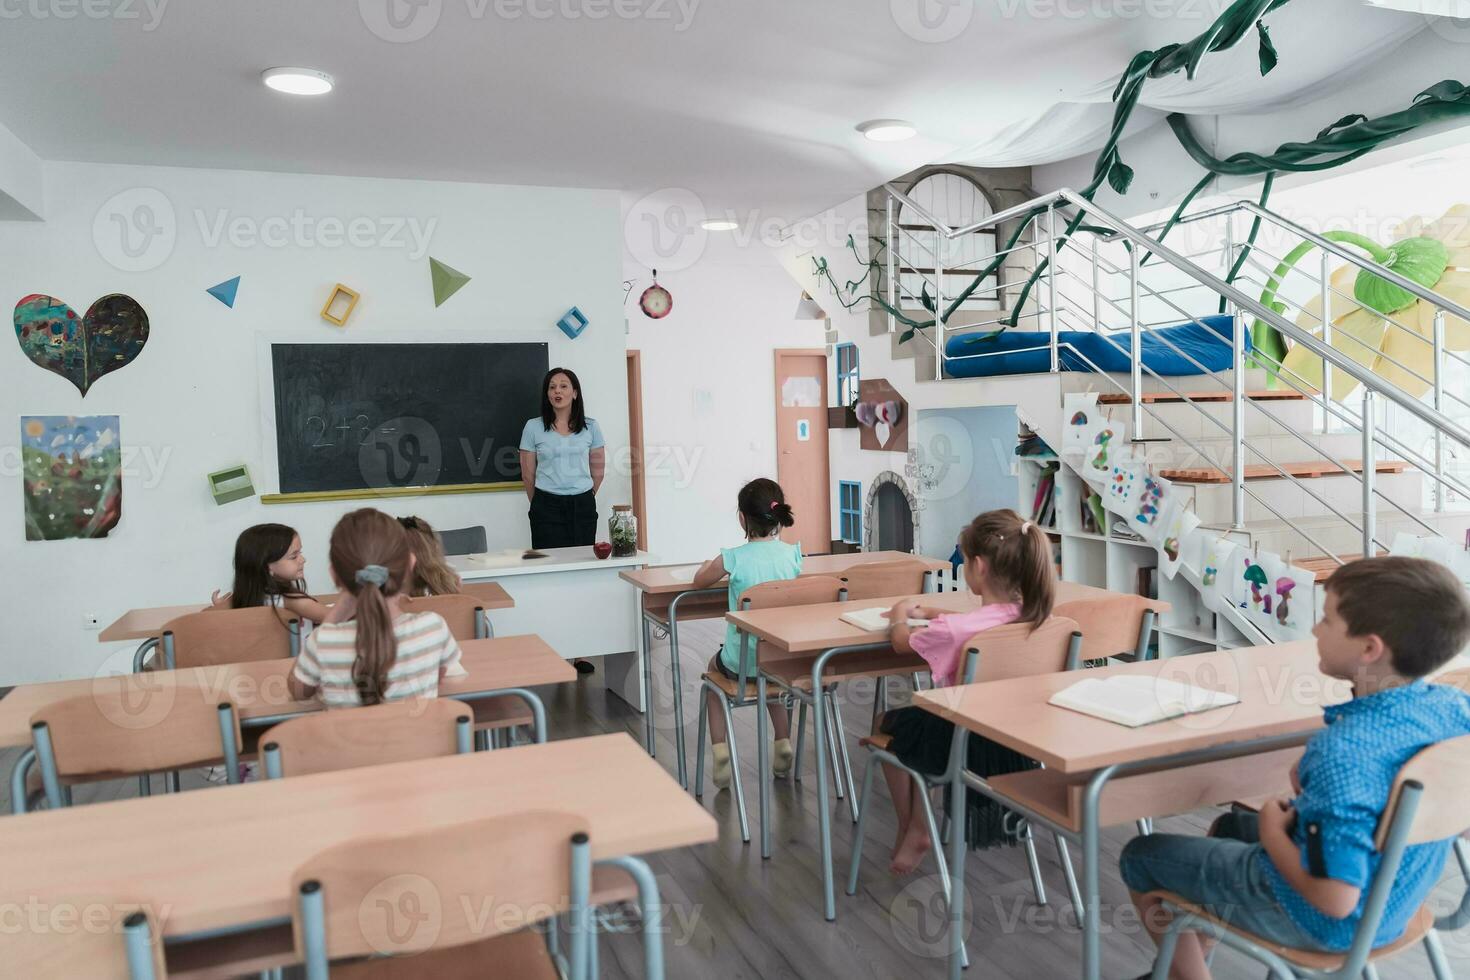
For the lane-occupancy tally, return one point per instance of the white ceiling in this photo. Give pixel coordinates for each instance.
(750, 104)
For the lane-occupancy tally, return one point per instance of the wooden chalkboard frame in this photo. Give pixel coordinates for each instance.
(267, 413)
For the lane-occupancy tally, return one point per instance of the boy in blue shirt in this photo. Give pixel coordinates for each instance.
(1298, 873)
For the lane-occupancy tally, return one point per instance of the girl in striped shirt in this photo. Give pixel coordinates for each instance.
(369, 650)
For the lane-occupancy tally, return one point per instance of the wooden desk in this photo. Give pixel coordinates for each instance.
(223, 859)
(666, 595)
(142, 624)
(1170, 767)
(502, 666)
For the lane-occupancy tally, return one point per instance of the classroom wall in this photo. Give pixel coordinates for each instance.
(191, 402)
(21, 179)
(969, 452)
(709, 415)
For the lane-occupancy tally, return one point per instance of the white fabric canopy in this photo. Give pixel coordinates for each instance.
(1322, 43)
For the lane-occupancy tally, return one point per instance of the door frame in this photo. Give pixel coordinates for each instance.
(780, 352)
(635, 444)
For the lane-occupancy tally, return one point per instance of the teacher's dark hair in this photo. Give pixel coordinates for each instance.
(764, 507)
(578, 420)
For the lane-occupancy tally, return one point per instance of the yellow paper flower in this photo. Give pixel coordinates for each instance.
(1364, 334)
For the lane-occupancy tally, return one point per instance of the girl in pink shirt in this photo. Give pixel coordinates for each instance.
(1008, 564)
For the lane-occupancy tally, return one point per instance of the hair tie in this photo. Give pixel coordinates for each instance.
(1025, 526)
(775, 504)
(372, 575)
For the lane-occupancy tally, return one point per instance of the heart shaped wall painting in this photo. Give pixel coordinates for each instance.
(81, 349)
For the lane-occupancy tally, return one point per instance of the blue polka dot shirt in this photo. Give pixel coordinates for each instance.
(1346, 774)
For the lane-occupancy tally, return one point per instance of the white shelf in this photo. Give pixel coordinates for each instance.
(1185, 633)
(1084, 535)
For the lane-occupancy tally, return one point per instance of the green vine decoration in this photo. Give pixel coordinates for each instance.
(1345, 140)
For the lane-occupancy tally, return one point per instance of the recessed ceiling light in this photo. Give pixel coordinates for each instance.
(719, 224)
(297, 81)
(1430, 163)
(886, 130)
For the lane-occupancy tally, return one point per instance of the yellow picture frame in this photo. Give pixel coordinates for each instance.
(339, 291)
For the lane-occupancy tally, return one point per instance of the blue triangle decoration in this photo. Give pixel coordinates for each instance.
(225, 291)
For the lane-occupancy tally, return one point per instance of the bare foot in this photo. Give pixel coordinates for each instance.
(909, 853)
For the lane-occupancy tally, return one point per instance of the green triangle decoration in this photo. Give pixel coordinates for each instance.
(447, 281)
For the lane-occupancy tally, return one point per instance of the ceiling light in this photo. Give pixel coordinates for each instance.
(719, 224)
(886, 130)
(297, 81)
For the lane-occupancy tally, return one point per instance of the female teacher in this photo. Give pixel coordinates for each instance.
(562, 461)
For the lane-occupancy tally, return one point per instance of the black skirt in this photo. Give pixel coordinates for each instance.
(563, 520)
(921, 740)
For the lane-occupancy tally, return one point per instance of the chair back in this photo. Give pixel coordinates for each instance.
(1442, 771)
(1110, 625)
(398, 731)
(462, 613)
(1016, 650)
(808, 590)
(228, 636)
(108, 735)
(903, 576)
(126, 948)
(445, 887)
(464, 541)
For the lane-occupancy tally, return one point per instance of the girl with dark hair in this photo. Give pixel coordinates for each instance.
(370, 650)
(562, 462)
(1008, 563)
(270, 570)
(763, 558)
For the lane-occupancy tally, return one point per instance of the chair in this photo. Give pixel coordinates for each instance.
(110, 736)
(730, 694)
(464, 541)
(1115, 626)
(996, 654)
(223, 636)
(467, 620)
(398, 731)
(903, 576)
(1430, 801)
(129, 952)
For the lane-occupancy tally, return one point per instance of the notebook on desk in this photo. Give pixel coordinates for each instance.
(873, 620)
(1135, 701)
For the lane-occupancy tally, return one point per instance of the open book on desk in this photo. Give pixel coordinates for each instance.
(1135, 700)
(873, 620)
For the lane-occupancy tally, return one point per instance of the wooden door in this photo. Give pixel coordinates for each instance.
(635, 445)
(801, 447)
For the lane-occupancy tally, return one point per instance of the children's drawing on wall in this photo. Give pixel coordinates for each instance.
(72, 473)
(1217, 578)
(1122, 477)
(1153, 499)
(1109, 439)
(81, 349)
(1178, 523)
(1292, 617)
(1084, 419)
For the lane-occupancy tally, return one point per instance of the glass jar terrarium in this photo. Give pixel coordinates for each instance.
(622, 528)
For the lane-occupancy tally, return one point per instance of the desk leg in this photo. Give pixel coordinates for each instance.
(763, 763)
(824, 805)
(957, 848)
(1091, 930)
(678, 692)
(649, 735)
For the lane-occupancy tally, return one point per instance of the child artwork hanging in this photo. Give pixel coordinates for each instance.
(81, 349)
(1124, 475)
(882, 414)
(1178, 524)
(1109, 440)
(1083, 419)
(72, 475)
(1217, 576)
(1154, 496)
(1291, 618)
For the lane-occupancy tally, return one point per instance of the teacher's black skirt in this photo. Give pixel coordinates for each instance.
(922, 739)
(563, 520)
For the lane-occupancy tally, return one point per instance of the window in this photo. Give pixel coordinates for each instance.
(850, 516)
(847, 375)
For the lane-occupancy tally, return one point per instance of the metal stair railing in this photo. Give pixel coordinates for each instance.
(1057, 301)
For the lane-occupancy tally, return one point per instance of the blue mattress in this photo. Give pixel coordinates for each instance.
(1206, 341)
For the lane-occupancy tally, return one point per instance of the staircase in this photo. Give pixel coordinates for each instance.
(1276, 463)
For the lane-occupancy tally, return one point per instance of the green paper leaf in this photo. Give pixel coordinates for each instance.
(1343, 123)
(1268, 50)
(925, 298)
(1420, 260)
(1120, 176)
(906, 336)
(985, 337)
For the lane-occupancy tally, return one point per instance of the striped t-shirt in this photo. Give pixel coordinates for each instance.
(425, 647)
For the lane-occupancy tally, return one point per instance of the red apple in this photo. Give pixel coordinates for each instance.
(602, 549)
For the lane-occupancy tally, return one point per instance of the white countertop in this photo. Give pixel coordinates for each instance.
(511, 561)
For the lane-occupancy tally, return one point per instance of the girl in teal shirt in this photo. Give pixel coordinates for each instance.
(764, 557)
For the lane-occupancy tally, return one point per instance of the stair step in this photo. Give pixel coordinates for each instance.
(1324, 567)
(1157, 397)
(1263, 471)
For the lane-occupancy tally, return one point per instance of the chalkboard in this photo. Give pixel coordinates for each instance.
(382, 416)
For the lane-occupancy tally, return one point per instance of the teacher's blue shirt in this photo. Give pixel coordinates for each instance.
(563, 463)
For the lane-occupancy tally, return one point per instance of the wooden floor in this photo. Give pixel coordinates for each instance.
(732, 915)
